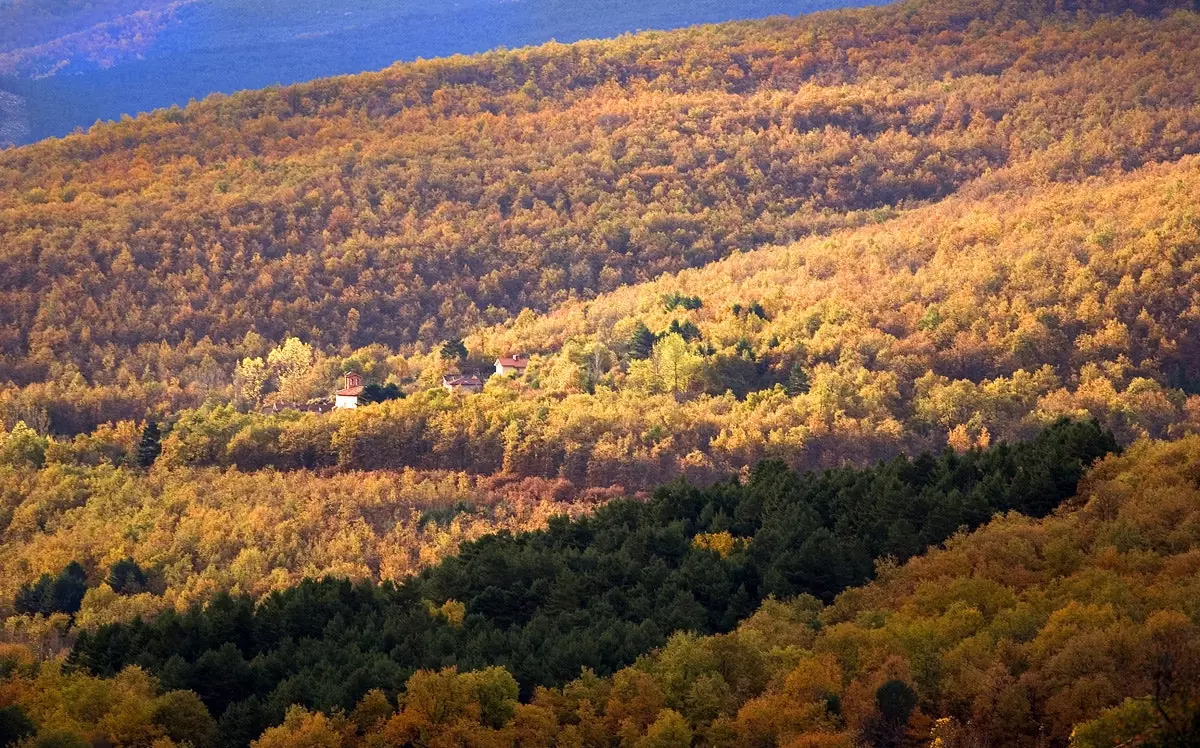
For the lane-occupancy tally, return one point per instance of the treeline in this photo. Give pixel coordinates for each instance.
(1079, 629)
(596, 592)
(70, 536)
(146, 258)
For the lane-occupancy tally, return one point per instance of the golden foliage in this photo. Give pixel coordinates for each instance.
(208, 530)
(147, 258)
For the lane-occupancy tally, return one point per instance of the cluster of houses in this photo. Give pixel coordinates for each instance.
(348, 396)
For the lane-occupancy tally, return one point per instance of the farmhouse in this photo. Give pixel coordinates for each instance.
(514, 364)
(469, 384)
(348, 396)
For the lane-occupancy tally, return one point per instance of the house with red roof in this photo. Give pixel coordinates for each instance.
(347, 397)
(514, 364)
(469, 384)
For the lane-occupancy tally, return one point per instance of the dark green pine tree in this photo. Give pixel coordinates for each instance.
(150, 446)
(375, 393)
(454, 350)
(66, 596)
(894, 702)
(641, 342)
(797, 383)
(126, 577)
(35, 597)
(61, 594)
(686, 330)
(15, 726)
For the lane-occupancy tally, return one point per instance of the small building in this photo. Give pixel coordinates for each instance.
(312, 406)
(514, 364)
(469, 384)
(348, 396)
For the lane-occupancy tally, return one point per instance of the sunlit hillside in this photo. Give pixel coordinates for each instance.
(817, 381)
(984, 317)
(145, 258)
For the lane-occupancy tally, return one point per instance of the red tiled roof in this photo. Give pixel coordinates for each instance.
(517, 362)
(468, 380)
(350, 392)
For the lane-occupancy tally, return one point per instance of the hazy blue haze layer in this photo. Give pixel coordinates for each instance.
(230, 45)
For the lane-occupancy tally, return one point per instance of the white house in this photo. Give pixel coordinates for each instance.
(348, 397)
(514, 364)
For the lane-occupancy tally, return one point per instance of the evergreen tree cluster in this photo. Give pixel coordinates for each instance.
(596, 592)
(678, 300)
(454, 350)
(63, 593)
(126, 577)
(53, 594)
(15, 725)
(379, 393)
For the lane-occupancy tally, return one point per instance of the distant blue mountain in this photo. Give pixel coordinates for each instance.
(230, 45)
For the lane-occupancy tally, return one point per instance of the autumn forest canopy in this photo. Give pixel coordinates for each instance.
(816, 381)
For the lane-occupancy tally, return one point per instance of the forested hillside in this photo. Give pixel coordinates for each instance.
(833, 331)
(1081, 626)
(597, 591)
(196, 533)
(145, 258)
(1078, 628)
(973, 320)
(43, 38)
